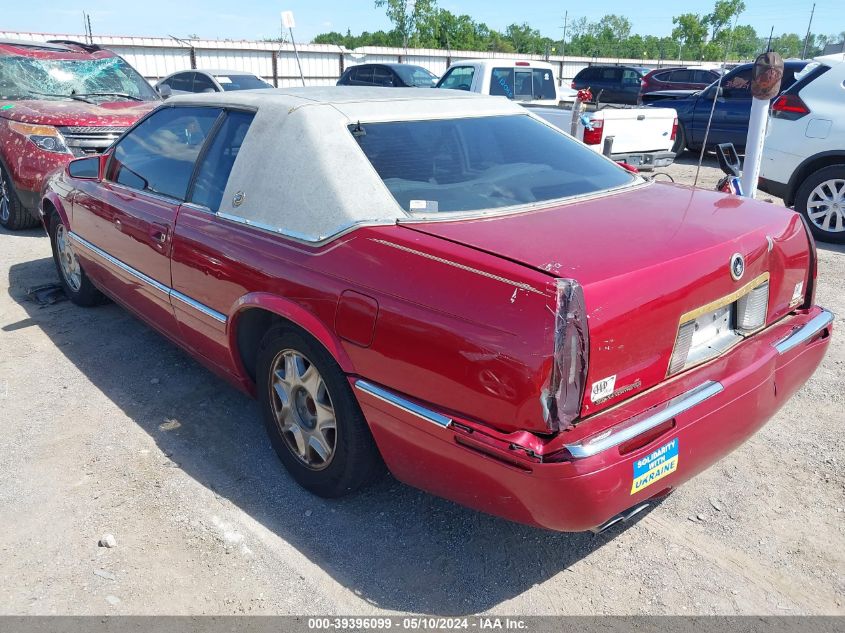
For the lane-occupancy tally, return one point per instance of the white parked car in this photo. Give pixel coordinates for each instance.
(209, 80)
(526, 81)
(804, 154)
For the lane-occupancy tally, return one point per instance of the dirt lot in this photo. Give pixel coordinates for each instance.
(107, 428)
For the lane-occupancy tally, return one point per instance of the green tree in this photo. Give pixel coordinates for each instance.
(723, 15)
(406, 14)
(690, 31)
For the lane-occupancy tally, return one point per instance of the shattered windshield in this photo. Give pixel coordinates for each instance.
(92, 80)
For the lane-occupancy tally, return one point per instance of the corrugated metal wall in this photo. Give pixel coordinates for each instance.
(322, 64)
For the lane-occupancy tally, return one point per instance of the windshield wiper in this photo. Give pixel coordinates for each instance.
(50, 94)
(106, 94)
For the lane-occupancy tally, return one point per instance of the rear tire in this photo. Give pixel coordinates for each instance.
(75, 282)
(13, 215)
(821, 199)
(312, 417)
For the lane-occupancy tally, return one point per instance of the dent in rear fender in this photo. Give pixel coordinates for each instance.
(296, 314)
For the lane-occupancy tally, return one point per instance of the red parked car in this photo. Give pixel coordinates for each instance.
(449, 286)
(677, 79)
(58, 100)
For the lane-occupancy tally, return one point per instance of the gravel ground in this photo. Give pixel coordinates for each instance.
(108, 428)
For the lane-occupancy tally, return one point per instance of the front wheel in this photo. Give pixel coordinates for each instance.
(312, 417)
(75, 282)
(13, 215)
(821, 199)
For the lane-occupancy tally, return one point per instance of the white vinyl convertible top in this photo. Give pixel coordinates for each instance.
(300, 171)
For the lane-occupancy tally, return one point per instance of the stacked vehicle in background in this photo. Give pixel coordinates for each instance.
(388, 76)
(58, 100)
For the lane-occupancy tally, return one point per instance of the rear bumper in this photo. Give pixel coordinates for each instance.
(646, 161)
(434, 451)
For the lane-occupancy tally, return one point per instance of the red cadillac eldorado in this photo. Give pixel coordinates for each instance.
(448, 286)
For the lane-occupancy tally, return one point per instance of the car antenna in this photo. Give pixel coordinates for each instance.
(715, 97)
(358, 131)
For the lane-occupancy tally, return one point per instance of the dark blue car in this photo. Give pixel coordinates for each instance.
(730, 117)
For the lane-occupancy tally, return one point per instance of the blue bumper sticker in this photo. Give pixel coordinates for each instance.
(655, 466)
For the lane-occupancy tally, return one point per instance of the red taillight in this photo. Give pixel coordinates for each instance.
(572, 85)
(674, 129)
(522, 64)
(593, 137)
(790, 106)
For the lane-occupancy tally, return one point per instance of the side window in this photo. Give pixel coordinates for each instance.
(705, 77)
(738, 86)
(203, 83)
(609, 74)
(182, 82)
(365, 74)
(630, 77)
(159, 154)
(501, 82)
(459, 78)
(218, 161)
(382, 76)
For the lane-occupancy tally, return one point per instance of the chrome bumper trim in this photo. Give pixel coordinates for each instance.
(628, 430)
(406, 405)
(805, 332)
(160, 287)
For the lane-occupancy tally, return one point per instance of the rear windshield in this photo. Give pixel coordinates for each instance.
(477, 164)
(241, 82)
(416, 76)
(523, 84)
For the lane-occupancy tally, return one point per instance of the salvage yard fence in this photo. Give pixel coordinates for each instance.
(322, 64)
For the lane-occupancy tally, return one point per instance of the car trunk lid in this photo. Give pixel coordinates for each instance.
(645, 257)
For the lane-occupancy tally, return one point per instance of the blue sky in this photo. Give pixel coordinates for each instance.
(251, 19)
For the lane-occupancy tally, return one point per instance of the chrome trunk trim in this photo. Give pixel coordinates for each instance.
(630, 429)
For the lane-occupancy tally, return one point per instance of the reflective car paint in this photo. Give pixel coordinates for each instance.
(465, 323)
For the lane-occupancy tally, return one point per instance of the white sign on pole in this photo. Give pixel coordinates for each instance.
(287, 20)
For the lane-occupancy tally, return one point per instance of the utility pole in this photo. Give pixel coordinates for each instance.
(288, 22)
(563, 48)
(807, 38)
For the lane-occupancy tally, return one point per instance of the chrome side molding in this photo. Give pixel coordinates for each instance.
(402, 403)
(137, 274)
(630, 429)
(805, 332)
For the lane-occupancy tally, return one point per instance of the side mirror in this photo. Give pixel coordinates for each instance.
(164, 91)
(88, 168)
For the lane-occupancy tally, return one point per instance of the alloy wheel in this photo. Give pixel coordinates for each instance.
(303, 409)
(826, 206)
(68, 262)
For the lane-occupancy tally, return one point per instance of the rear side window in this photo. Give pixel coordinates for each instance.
(382, 76)
(610, 74)
(681, 76)
(477, 164)
(182, 81)
(158, 155)
(203, 83)
(218, 161)
(363, 73)
(458, 78)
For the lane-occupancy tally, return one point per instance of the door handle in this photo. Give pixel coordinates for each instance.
(159, 234)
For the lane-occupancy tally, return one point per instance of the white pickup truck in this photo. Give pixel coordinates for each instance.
(642, 137)
(638, 136)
